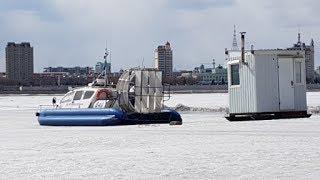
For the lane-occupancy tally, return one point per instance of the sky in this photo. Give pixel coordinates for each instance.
(74, 32)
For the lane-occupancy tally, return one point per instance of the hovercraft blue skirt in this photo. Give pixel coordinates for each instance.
(102, 117)
(80, 117)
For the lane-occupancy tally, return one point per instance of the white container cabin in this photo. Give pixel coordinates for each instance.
(266, 84)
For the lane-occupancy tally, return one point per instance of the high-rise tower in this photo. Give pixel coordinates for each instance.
(19, 62)
(163, 59)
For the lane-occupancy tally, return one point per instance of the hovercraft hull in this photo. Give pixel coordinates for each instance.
(103, 117)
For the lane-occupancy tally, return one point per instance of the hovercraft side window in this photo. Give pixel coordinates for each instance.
(78, 95)
(88, 94)
(68, 97)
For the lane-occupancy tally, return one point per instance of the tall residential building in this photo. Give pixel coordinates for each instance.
(309, 55)
(163, 59)
(19, 62)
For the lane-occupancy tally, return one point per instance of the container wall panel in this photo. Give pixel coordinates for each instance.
(300, 100)
(267, 83)
(242, 98)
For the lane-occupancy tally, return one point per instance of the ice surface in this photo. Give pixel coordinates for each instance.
(213, 100)
(206, 146)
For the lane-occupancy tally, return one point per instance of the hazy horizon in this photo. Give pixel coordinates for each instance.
(74, 33)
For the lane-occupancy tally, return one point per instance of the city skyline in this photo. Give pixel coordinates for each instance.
(198, 30)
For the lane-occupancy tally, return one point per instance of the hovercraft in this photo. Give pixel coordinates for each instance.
(137, 98)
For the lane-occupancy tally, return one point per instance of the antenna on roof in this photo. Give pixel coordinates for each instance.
(142, 63)
(299, 36)
(242, 46)
(234, 43)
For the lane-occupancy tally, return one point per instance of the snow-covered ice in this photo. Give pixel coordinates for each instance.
(206, 146)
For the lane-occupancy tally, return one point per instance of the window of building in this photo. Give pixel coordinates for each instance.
(78, 95)
(298, 72)
(88, 94)
(235, 80)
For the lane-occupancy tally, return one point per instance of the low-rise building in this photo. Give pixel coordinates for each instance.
(60, 78)
(317, 75)
(100, 67)
(309, 56)
(215, 75)
(70, 70)
(2, 74)
(220, 75)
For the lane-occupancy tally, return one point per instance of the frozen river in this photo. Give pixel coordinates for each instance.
(206, 146)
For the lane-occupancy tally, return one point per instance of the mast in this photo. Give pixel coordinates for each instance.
(105, 65)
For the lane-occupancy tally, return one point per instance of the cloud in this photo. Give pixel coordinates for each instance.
(42, 8)
(200, 4)
(73, 32)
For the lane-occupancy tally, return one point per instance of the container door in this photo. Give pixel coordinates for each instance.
(286, 83)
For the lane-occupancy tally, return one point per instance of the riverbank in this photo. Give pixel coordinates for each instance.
(178, 89)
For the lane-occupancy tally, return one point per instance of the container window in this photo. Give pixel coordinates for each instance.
(78, 95)
(298, 72)
(88, 94)
(235, 74)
